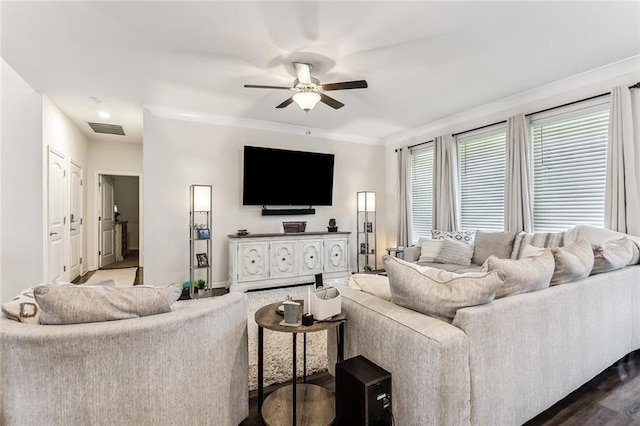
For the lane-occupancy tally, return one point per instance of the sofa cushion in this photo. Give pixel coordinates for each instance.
(455, 252)
(612, 255)
(378, 285)
(462, 236)
(537, 239)
(81, 304)
(522, 275)
(573, 262)
(597, 236)
(25, 308)
(499, 244)
(439, 293)
(429, 250)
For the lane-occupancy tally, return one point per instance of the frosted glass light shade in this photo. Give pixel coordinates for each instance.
(306, 100)
(201, 198)
(366, 201)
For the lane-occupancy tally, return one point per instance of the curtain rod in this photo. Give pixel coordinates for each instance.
(633, 86)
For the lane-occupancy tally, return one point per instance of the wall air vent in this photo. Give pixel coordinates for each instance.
(109, 129)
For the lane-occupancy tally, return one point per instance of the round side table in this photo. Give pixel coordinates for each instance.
(303, 404)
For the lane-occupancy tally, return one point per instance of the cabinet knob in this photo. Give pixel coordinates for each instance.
(311, 257)
(283, 259)
(253, 261)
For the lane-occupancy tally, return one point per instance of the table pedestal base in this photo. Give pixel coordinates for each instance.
(315, 406)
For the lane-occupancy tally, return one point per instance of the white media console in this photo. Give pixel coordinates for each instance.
(258, 261)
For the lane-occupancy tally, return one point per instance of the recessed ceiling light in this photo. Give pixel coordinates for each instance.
(104, 114)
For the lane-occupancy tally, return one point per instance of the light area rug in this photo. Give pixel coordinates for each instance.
(123, 277)
(278, 346)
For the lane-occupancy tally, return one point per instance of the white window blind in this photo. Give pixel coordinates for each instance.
(569, 165)
(422, 191)
(481, 158)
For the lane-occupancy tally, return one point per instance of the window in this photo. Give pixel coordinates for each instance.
(421, 191)
(481, 158)
(569, 165)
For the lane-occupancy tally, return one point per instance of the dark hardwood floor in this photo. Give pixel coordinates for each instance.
(610, 399)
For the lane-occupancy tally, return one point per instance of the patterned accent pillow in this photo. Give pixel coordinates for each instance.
(612, 255)
(23, 308)
(455, 252)
(522, 275)
(462, 236)
(439, 293)
(573, 262)
(538, 239)
(81, 304)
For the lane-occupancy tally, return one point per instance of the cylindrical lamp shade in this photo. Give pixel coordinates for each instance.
(366, 201)
(201, 198)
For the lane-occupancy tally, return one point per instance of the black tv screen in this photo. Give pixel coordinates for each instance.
(279, 177)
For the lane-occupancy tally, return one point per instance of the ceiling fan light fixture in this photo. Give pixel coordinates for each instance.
(306, 100)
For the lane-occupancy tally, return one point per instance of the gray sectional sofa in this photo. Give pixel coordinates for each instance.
(499, 363)
(188, 366)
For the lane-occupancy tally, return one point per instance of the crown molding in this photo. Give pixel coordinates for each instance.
(455, 123)
(247, 123)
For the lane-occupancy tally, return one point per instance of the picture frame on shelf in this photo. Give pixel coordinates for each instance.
(204, 234)
(202, 259)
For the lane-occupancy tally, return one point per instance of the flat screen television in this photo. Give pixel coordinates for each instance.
(279, 177)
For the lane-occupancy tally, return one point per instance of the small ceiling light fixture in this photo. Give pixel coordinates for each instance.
(104, 114)
(306, 100)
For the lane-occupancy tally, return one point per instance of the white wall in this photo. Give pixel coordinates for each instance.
(109, 158)
(126, 193)
(21, 191)
(178, 154)
(61, 134)
(569, 90)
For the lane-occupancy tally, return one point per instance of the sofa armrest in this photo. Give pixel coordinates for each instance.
(189, 366)
(428, 358)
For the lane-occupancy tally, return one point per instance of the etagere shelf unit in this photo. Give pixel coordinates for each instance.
(200, 241)
(366, 235)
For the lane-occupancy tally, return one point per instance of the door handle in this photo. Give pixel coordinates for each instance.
(53, 233)
(73, 229)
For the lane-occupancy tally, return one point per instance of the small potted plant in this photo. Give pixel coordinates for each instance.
(200, 286)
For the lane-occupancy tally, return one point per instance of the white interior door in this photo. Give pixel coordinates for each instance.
(75, 221)
(106, 220)
(56, 217)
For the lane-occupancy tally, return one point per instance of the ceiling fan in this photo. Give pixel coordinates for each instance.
(310, 91)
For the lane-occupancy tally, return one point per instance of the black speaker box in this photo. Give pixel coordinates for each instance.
(363, 393)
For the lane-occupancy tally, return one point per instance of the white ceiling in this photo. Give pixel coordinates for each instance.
(424, 61)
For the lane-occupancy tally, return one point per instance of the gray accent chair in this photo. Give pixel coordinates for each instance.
(188, 366)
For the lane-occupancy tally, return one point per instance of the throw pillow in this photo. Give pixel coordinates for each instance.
(439, 293)
(529, 250)
(538, 239)
(462, 236)
(499, 244)
(378, 285)
(80, 304)
(455, 252)
(522, 275)
(573, 262)
(412, 254)
(612, 255)
(24, 307)
(429, 250)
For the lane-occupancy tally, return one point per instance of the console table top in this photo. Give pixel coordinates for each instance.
(286, 234)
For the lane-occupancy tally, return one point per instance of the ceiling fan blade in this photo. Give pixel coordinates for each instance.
(303, 71)
(357, 84)
(286, 103)
(330, 101)
(257, 86)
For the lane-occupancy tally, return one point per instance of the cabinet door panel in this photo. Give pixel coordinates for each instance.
(336, 255)
(282, 259)
(252, 261)
(310, 257)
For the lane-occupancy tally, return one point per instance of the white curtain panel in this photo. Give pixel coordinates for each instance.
(517, 185)
(404, 198)
(622, 194)
(446, 211)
